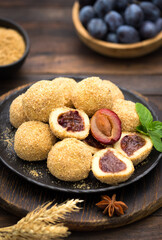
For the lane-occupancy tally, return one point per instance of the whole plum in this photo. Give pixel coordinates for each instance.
(127, 34)
(133, 15)
(113, 20)
(112, 37)
(151, 12)
(148, 30)
(97, 28)
(101, 7)
(86, 14)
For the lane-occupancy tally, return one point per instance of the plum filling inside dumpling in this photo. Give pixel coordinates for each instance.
(110, 163)
(131, 143)
(72, 121)
(69, 122)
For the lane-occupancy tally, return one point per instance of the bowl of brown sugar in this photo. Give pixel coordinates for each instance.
(14, 46)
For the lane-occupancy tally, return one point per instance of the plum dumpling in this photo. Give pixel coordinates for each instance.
(134, 146)
(111, 167)
(69, 122)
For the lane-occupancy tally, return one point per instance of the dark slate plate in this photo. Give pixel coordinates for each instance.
(37, 172)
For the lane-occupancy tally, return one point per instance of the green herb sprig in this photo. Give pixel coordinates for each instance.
(151, 128)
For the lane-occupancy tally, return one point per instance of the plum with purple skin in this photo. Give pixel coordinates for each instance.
(106, 126)
(148, 30)
(133, 15)
(112, 37)
(97, 28)
(127, 34)
(86, 14)
(101, 7)
(113, 20)
(151, 11)
(159, 25)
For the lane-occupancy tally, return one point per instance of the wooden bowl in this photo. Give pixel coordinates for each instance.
(114, 49)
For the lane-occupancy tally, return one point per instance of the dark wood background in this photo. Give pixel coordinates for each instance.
(56, 50)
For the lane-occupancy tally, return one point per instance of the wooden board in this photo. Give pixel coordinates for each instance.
(143, 197)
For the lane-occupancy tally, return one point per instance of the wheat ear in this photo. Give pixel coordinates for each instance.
(42, 223)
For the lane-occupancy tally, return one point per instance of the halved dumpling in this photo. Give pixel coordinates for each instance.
(134, 146)
(111, 167)
(69, 122)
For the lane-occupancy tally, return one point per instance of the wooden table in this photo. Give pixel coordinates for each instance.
(56, 50)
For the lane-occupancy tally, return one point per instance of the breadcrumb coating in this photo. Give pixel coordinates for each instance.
(91, 95)
(62, 132)
(69, 160)
(66, 85)
(115, 91)
(16, 113)
(126, 111)
(40, 99)
(33, 141)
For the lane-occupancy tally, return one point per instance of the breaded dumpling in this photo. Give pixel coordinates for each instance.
(17, 115)
(111, 167)
(91, 95)
(33, 141)
(126, 111)
(69, 160)
(40, 99)
(134, 146)
(68, 122)
(67, 85)
(115, 91)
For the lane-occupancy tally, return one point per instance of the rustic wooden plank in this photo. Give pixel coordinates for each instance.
(142, 228)
(148, 85)
(50, 63)
(35, 3)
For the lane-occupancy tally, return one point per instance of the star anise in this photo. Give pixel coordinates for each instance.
(112, 206)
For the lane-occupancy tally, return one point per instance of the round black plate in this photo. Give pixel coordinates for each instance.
(37, 172)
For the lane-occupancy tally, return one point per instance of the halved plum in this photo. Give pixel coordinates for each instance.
(106, 126)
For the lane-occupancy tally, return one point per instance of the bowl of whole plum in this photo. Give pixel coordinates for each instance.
(119, 28)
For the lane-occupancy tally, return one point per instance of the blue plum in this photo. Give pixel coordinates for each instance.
(97, 28)
(133, 15)
(113, 20)
(151, 12)
(101, 7)
(112, 37)
(159, 25)
(148, 30)
(86, 14)
(127, 34)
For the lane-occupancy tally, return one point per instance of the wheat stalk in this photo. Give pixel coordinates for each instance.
(42, 223)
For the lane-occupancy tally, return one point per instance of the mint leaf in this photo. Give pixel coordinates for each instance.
(158, 132)
(144, 114)
(142, 129)
(157, 142)
(149, 127)
(155, 127)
